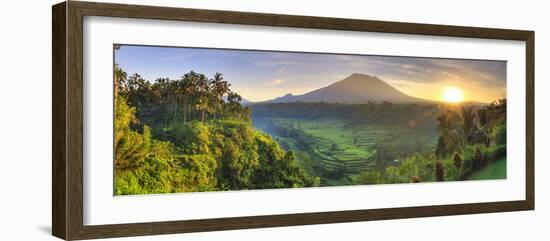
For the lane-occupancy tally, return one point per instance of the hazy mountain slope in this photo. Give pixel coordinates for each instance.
(356, 88)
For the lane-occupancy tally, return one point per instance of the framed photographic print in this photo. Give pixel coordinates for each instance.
(171, 120)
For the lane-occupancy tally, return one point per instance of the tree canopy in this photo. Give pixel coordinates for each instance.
(192, 134)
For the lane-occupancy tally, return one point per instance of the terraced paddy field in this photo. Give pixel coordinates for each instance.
(337, 145)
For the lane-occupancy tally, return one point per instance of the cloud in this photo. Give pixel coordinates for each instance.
(274, 82)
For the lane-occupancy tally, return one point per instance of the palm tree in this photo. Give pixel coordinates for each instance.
(187, 87)
(203, 92)
(483, 127)
(233, 101)
(451, 135)
(174, 96)
(139, 89)
(219, 88)
(459, 130)
(120, 79)
(201, 106)
(133, 82)
(161, 91)
(468, 123)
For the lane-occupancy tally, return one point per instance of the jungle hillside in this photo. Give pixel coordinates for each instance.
(193, 135)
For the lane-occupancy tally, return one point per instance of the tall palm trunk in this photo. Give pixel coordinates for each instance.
(184, 110)
(116, 88)
(176, 107)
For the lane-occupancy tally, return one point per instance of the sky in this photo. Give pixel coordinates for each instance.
(264, 75)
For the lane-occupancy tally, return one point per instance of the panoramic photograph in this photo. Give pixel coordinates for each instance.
(203, 119)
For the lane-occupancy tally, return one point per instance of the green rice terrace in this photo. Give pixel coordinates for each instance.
(337, 147)
(374, 143)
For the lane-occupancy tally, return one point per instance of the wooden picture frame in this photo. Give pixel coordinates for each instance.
(67, 124)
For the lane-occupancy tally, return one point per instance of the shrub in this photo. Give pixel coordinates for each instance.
(457, 161)
(496, 152)
(475, 157)
(370, 177)
(499, 133)
(439, 171)
(416, 179)
(478, 159)
(151, 177)
(393, 175)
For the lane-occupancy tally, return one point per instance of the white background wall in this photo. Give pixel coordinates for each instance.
(25, 120)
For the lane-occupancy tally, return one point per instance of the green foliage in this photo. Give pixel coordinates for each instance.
(193, 152)
(192, 137)
(151, 177)
(336, 149)
(419, 165)
(233, 144)
(370, 177)
(277, 169)
(373, 113)
(495, 152)
(131, 147)
(478, 156)
(142, 165)
(469, 142)
(499, 133)
(195, 173)
(450, 171)
(467, 125)
(457, 160)
(192, 97)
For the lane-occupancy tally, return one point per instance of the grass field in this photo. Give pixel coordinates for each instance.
(339, 145)
(495, 170)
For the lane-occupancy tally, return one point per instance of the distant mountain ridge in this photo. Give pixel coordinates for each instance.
(355, 89)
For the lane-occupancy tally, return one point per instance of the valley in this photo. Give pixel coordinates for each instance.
(361, 126)
(337, 149)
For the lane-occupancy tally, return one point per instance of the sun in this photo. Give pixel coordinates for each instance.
(452, 94)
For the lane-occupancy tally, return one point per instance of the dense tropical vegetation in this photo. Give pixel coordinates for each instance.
(376, 143)
(192, 134)
(470, 139)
